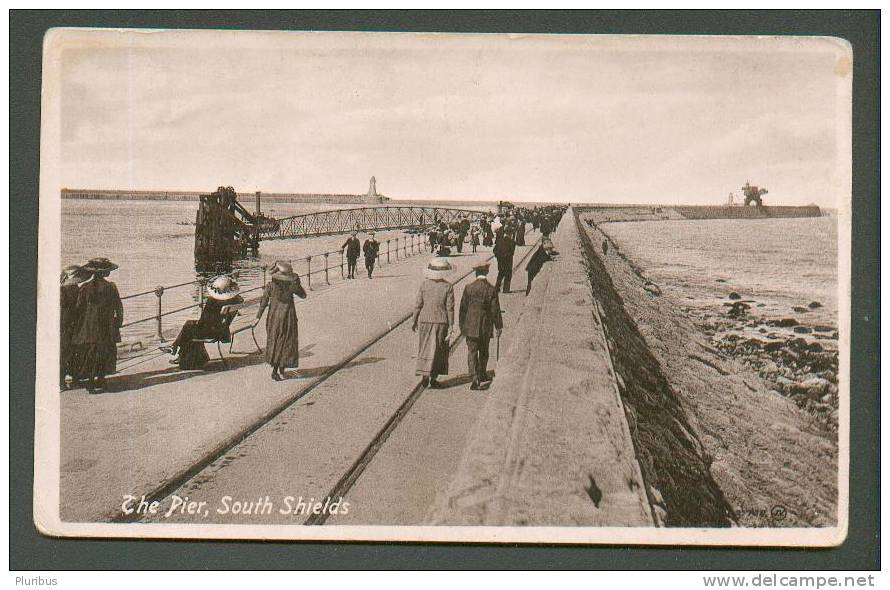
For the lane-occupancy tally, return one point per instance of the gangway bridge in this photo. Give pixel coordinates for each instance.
(341, 221)
(226, 230)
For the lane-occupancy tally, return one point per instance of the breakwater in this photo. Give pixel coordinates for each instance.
(614, 213)
(130, 195)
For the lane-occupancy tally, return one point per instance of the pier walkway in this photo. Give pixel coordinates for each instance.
(158, 425)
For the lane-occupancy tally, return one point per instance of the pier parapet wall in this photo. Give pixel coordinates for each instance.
(553, 432)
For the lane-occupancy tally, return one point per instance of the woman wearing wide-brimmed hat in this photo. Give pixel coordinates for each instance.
(72, 276)
(433, 320)
(99, 315)
(221, 291)
(282, 334)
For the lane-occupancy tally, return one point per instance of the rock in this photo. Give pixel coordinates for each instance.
(814, 305)
(761, 305)
(800, 309)
(823, 328)
(652, 288)
(783, 323)
(814, 387)
(762, 330)
(802, 329)
(784, 383)
(826, 398)
(734, 295)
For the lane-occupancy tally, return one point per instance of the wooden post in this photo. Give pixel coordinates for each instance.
(342, 274)
(327, 279)
(387, 251)
(309, 271)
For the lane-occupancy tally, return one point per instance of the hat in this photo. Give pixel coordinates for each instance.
(481, 262)
(223, 288)
(100, 263)
(283, 271)
(437, 269)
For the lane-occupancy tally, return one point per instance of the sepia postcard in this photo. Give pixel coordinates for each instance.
(431, 287)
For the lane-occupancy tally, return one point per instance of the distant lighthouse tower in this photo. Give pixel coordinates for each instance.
(372, 196)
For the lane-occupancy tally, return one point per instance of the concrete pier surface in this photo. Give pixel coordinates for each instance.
(551, 446)
(157, 424)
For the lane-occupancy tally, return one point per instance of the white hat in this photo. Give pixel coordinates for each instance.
(223, 288)
(437, 269)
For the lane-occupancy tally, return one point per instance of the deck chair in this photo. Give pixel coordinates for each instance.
(229, 312)
(244, 328)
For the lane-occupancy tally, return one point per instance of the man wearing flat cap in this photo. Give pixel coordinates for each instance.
(479, 318)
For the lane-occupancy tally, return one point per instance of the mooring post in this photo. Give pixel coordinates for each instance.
(327, 279)
(159, 292)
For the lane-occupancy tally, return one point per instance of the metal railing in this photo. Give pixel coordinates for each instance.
(406, 245)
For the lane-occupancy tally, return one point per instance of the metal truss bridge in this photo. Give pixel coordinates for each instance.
(341, 221)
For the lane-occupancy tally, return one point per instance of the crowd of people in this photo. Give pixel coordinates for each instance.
(479, 315)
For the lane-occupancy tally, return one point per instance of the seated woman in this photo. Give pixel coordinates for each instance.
(221, 291)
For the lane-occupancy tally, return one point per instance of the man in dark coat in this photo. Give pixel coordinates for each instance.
(480, 316)
(370, 249)
(503, 252)
(353, 248)
(544, 253)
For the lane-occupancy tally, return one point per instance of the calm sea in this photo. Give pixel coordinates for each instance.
(146, 239)
(778, 262)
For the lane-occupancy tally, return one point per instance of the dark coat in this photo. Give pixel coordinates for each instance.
(371, 249)
(353, 247)
(537, 261)
(504, 247)
(480, 310)
(100, 313)
(282, 335)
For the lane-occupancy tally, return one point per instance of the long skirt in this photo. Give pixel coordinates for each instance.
(432, 349)
(95, 359)
(282, 337)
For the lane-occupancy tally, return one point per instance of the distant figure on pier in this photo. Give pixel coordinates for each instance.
(475, 232)
(282, 330)
(371, 248)
(71, 278)
(99, 315)
(188, 354)
(520, 231)
(433, 320)
(504, 248)
(605, 247)
(353, 248)
(479, 317)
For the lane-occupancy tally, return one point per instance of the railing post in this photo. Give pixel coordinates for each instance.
(159, 292)
(327, 279)
(309, 271)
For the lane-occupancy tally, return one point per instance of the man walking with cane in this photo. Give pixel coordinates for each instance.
(480, 316)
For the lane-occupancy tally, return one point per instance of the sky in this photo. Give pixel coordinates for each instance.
(524, 118)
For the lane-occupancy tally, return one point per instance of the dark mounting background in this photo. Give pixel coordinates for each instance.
(31, 551)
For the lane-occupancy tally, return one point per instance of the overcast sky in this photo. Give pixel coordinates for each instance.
(567, 118)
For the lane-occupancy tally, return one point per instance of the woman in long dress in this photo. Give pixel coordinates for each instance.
(433, 320)
(100, 315)
(69, 290)
(282, 336)
(221, 291)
